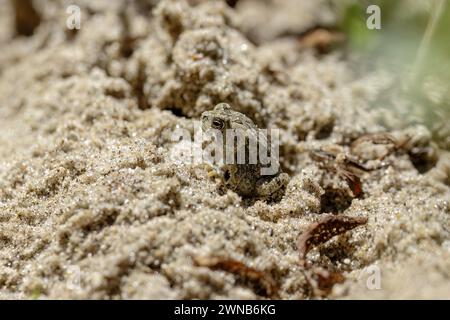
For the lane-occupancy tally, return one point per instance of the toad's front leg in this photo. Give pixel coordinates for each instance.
(271, 188)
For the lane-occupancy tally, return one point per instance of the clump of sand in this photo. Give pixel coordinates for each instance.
(93, 206)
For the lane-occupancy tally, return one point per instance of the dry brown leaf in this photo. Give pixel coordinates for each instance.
(375, 138)
(322, 281)
(383, 138)
(321, 39)
(353, 181)
(346, 168)
(323, 230)
(262, 280)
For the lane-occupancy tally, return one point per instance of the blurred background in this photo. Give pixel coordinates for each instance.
(411, 50)
(413, 45)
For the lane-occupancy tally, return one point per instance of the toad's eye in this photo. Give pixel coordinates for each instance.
(217, 123)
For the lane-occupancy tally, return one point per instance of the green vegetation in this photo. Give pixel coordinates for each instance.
(413, 43)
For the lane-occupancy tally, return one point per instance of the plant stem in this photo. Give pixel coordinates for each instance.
(436, 13)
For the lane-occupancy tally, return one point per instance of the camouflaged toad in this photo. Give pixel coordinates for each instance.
(246, 179)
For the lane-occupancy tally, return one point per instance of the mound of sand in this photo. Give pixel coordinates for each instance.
(93, 206)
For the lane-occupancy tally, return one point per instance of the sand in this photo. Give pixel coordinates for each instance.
(93, 206)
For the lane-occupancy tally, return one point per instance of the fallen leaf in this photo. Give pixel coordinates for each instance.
(262, 280)
(323, 230)
(353, 181)
(321, 39)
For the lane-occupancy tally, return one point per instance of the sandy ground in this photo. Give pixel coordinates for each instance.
(92, 205)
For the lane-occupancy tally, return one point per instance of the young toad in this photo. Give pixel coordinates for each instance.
(250, 178)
